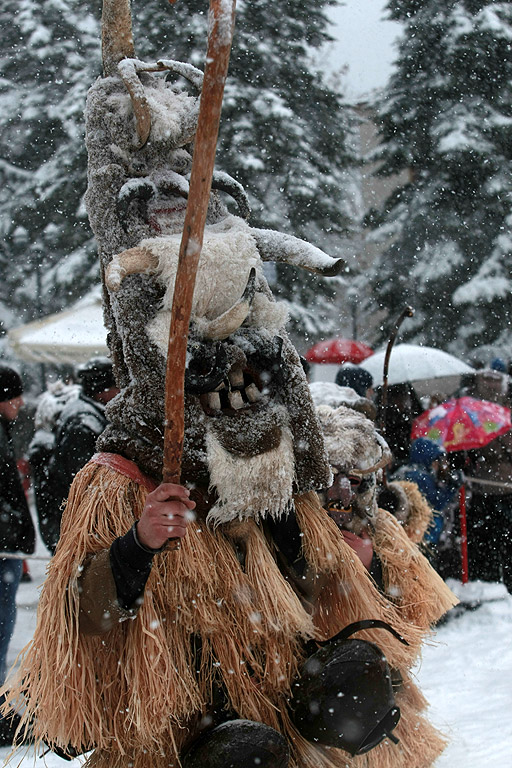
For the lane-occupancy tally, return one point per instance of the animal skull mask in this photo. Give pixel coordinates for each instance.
(251, 434)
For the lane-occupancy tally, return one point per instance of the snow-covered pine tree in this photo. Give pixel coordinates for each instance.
(283, 136)
(49, 55)
(446, 117)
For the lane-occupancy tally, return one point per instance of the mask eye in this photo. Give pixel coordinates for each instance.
(355, 481)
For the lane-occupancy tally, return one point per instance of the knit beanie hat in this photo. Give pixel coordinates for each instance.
(499, 365)
(10, 383)
(355, 377)
(96, 375)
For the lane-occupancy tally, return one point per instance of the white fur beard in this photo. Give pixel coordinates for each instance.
(254, 486)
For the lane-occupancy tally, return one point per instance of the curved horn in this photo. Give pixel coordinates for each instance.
(227, 323)
(135, 189)
(116, 34)
(130, 262)
(385, 458)
(188, 71)
(276, 246)
(129, 68)
(226, 183)
(171, 182)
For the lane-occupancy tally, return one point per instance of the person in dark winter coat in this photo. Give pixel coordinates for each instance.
(80, 423)
(17, 534)
(40, 451)
(396, 418)
(489, 475)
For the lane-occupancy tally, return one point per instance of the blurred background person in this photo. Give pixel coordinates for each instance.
(17, 533)
(396, 418)
(357, 378)
(489, 473)
(40, 451)
(430, 469)
(80, 422)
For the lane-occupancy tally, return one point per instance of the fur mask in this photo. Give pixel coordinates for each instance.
(251, 434)
(356, 453)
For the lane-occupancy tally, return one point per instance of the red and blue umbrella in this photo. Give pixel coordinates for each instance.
(463, 423)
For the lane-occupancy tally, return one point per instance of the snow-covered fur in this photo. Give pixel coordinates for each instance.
(350, 439)
(51, 403)
(243, 483)
(329, 393)
(259, 402)
(354, 447)
(403, 499)
(228, 254)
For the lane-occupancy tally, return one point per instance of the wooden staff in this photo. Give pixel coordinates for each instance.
(406, 312)
(221, 25)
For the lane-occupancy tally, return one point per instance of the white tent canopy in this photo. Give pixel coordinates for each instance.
(71, 336)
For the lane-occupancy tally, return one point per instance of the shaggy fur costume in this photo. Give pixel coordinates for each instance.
(134, 692)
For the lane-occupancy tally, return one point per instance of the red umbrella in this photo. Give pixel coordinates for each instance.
(460, 424)
(338, 351)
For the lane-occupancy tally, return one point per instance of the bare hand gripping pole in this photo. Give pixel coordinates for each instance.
(221, 25)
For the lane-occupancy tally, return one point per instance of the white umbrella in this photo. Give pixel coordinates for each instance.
(71, 336)
(419, 366)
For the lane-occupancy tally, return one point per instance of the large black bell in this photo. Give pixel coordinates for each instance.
(239, 744)
(344, 698)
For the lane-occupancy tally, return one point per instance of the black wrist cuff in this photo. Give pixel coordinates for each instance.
(149, 550)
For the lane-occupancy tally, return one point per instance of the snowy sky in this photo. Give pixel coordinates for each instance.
(364, 43)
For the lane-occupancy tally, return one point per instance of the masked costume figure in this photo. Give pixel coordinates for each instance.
(137, 658)
(400, 497)
(357, 453)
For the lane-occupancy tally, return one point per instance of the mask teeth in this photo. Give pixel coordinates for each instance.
(214, 401)
(236, 378)
(231, 393)
(235, 400)
(253, 393)
(333, 506)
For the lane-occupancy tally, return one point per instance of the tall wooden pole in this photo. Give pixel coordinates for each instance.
(221, 26)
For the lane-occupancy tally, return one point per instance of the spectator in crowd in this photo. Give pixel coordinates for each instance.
(489, 473)
(17, 534)
(498, 364)
(429, 468)
(81, 421)
(49, 408)
(357, 378)
(395, 419)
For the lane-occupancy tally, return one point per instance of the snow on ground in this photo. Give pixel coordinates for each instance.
(466, 674)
